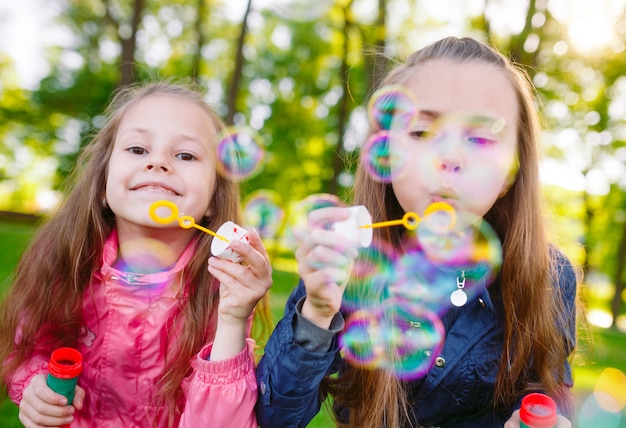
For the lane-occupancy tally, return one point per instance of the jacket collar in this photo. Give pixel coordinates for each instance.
(109, 255)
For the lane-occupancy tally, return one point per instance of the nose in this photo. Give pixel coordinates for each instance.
(449, 153)
(450, 165)
(158, 162)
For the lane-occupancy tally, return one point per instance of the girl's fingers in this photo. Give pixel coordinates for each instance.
(329, 279)
(258, 260)
(232, 275)
(323, 218)
(324, 249)
(325, 245)
(257, 243)
(322, 257)
(79, 398)
(255, 274)
(40, 413)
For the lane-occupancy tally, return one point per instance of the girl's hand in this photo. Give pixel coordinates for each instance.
(42, 407)
(241, 288)
(514, 421)
(324, 263)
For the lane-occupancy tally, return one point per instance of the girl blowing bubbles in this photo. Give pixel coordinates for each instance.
(505, 342)
(134, 297)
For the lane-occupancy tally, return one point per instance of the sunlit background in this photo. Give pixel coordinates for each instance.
(297, 54)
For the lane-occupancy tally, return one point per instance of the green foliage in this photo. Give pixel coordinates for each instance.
(301, 81)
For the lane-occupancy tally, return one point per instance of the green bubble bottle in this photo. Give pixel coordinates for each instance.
(65, 365)
(537, 411)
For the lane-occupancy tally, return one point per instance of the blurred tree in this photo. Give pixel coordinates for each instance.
(233, 90)
(301, 83)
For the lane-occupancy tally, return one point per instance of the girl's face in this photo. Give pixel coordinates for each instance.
(163, 149)
(462, 147)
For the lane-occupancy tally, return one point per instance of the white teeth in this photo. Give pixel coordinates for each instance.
(156, 189)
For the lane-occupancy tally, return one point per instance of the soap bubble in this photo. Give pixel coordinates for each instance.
(239, 153)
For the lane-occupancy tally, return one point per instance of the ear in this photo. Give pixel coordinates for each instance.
(209, 210)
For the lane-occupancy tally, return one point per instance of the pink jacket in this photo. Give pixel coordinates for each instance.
(127, 318)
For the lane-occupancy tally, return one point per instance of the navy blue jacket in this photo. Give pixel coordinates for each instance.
(456, 392)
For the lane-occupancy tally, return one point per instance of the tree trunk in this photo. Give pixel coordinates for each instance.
(197, 57)
(127, 66)
(233, 90)
(376, 63)
(342, 111)
(617, 303)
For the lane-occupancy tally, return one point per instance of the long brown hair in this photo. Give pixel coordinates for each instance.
(56, 269)
(533, 342)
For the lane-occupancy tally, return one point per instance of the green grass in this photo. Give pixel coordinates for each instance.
(607, 350)
(14, 237)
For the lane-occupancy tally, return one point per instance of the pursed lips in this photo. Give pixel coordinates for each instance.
(448, 196)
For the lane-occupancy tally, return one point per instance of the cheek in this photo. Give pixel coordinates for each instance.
(409, 190)
(406, 156)
(110, 177)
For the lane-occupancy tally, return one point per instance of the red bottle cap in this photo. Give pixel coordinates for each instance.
(65, 363)
(538, 411)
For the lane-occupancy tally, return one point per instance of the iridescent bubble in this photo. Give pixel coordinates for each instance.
(372, 274)
(419, 280)
(414, 337)
(146, 255)
(382, 157)
(239, 153)
(298, 215)
(142, 259)
(471, 245)
(361, 341)
(262, 211)
(399, 336)
(392, 107)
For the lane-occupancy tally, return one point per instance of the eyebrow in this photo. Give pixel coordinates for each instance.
(430, 114)
(474, 118)
(181, 136)
(481, 118)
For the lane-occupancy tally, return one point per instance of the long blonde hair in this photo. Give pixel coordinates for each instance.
(533, 342)
(54, 272)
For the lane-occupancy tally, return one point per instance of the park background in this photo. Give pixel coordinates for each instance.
(298, 73)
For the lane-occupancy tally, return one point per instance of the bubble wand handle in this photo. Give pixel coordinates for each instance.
(382, 224)
(64, 367)
(186, 221)
(410, 220)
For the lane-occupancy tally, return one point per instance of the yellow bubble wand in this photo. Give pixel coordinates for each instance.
(411, 220)
(186, 221)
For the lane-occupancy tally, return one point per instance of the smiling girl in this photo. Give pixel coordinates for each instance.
(165, 340)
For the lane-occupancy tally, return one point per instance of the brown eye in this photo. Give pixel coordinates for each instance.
(421, 134)
(186, 156)
(137, 150)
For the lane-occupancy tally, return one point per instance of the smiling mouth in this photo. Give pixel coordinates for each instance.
(155, 188)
